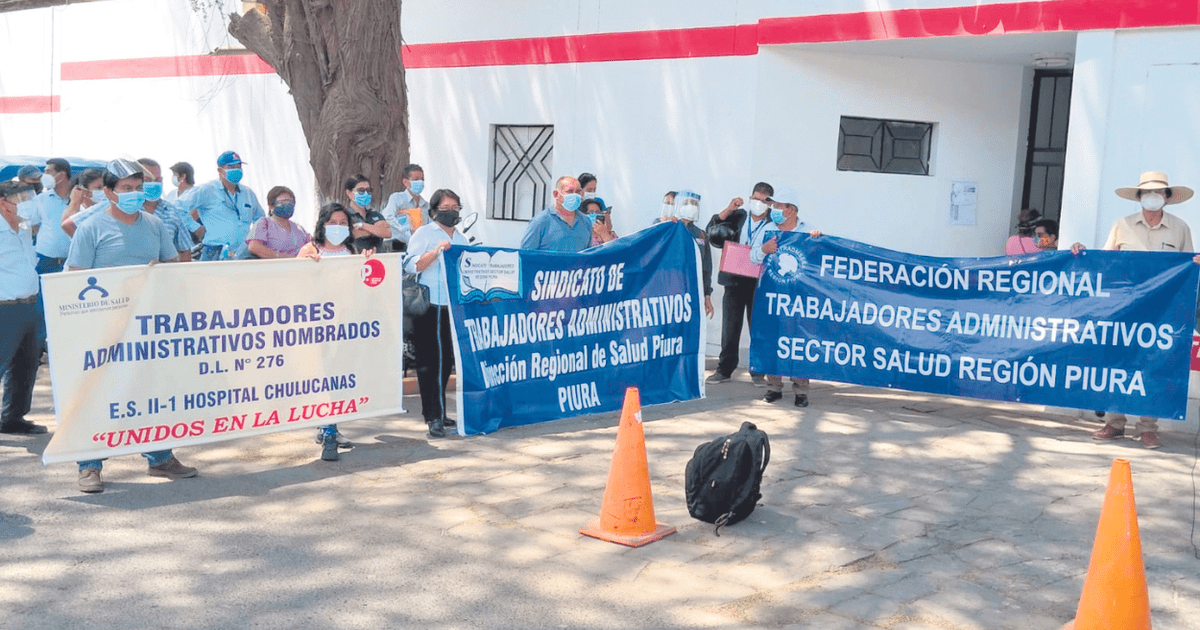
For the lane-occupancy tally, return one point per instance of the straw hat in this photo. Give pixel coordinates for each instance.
(1156, 180)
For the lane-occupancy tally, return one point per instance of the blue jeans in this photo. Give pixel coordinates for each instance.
(157, 458)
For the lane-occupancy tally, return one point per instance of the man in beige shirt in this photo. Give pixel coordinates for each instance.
(1151, 230)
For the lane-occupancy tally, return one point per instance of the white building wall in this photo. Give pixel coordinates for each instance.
(976, 109)
(190, 119)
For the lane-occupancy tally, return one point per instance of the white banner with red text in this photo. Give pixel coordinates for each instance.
(148, 358)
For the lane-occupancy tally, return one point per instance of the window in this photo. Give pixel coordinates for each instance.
(884, 146)
(521, 182)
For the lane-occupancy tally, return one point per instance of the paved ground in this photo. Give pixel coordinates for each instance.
(880, 510)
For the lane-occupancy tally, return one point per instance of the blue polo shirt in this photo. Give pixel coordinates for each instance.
(550, 232)
(52, 241)
(226, 216)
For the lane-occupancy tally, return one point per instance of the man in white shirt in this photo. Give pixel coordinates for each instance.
(405, 210)
(21, 335)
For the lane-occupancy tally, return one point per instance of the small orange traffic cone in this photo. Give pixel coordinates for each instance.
(1114, 592)
(627, 514)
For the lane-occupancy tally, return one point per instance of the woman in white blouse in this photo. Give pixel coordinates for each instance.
(432, 332)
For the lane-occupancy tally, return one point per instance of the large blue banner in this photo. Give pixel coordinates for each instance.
(543, 335)
(1099, 330)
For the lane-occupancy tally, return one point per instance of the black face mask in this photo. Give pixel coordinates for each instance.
(448, 218)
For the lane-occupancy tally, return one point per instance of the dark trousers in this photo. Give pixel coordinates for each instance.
(435, 353)
(20, 356)
(738, 300)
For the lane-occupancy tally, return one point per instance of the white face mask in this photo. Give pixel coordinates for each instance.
(688, 212)
(1153, 201)
(756, 207)
(175, 181)
(589, 195)
(336, 234)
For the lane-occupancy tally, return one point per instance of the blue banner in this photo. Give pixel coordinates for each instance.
(544, 335)
(1099, 330)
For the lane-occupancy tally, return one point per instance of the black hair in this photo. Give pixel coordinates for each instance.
(1025, 221)
(435, 199)
(110, 180)
(587, 202)
(184, 171)
(1050, 225)
(325, 215)
(354, 180)
(60, 165)
(764, 188)
(88, 176)
(410, 169)
(585, 179)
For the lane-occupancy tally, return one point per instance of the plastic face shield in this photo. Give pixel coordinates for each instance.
(687, 205)
(123, 168)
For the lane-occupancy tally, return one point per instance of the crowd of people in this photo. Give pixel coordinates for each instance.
(55, 219)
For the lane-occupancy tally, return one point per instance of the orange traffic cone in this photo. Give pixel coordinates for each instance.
(627, 515)
(1114, 592)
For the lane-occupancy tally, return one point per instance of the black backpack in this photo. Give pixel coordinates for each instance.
(724, 476)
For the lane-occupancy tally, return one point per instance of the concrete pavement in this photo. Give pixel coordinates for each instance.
(881, 509)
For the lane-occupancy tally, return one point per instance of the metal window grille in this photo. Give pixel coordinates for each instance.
(884, 146)
(521, 171)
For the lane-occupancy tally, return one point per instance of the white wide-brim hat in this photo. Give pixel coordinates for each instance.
(1156, 180)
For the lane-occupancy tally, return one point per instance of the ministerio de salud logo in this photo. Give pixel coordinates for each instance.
(93, 298)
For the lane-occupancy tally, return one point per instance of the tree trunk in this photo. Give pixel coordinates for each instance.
(341, 62)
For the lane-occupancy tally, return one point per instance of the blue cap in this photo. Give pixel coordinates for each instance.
(229, 158)
(603, 206)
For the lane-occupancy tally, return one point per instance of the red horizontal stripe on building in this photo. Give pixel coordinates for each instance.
(717, 41)
(986, 19)
(155, 67)
(29, 104)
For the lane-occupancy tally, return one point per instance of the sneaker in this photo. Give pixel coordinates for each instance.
(771, 396)
(1108, 433)
(342, 442)
(801, 400)
(759, 379)
(329, 448)
(1150, 440)
(23, 427)
(89, 480)
(172, 469)
(717, 377)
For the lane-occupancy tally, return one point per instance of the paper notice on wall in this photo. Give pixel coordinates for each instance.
(964, 203)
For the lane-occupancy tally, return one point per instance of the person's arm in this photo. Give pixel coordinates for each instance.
(762, 246)
(309, 251)
(533, 233)
(429, 257)
(260, 249)
(379, 228)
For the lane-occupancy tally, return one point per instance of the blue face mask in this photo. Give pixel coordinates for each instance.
(363, 199)
(234, 175)
(98, 196)
(285, 211)
(130, 202)
(592, 218)
(416, 186)
(777, 216)
(153, 190)
(571, 201)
